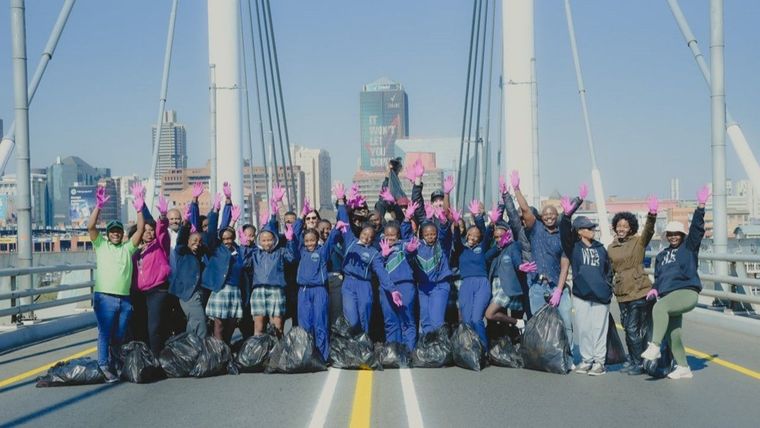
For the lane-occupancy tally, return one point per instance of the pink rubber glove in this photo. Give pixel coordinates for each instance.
(138, 203)
(197, 189)
(385, 248)
(306, 207)
(702, 195)
(410, 173)
(396, 295)
(419, 169)
(163, 205)
(412, 245)
(653, 294)
(515, 178)
(242, 238)
(494, 215)
(187, 213)
(474, 207)
(556, 297)
(217, 202)
(528, 267)
(503, 188)
(583, 191)
(263, 217)
(342, 226)
(227, 189)
(440, 215)
(278, 193)
(339, 190)
(505, 239)
(137, 189)
(567, 206)
(357, 201)
(429, 211)
(652, 204)
(409, 213)
(456, 215)
(101, 198)
(273, 209)
(448, 184)
(193, 229)
(289, 233)
(387, 196)
(235, 213)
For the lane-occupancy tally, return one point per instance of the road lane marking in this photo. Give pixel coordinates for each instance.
(413, 414)
(719, 361)
(319, 417)
(38, 370)
(362, 408)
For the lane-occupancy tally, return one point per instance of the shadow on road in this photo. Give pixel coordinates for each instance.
(47, 351)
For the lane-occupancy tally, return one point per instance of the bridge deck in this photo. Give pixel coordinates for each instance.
(718, 395)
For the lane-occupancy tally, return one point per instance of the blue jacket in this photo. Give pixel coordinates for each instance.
(399, 264)
(676, 268)
(359, 261)
(312, 265)
(472, 260)
(592, 272)
(432, 264)
(505, 267)
(222, 266)
(269, 266)
(189, 267)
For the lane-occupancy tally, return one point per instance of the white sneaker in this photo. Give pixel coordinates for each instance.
(681, 372)
(597, 370)
(652, 352)
(583, 368)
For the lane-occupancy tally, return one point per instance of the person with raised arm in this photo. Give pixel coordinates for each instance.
(113, 278)
(677, 286)
(190, 256)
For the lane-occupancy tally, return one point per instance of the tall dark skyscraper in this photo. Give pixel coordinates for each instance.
(384, 118)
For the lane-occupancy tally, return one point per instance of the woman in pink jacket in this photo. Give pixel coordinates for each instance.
(152, 271)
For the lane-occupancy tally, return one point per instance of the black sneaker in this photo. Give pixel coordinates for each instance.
(110, 377)
(635, 370)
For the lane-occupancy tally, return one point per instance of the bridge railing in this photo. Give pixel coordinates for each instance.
(739, 289)
(21, 301)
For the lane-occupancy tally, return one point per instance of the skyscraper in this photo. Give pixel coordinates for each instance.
(315, 164)
(172, 146)
(384, 117)
(62, 176)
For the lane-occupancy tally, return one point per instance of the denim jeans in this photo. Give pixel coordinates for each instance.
(537, 293)
(112, 313)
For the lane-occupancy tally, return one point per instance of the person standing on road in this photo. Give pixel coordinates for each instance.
(113, 278)
(591, 286)
(677, 286)
(631, 284)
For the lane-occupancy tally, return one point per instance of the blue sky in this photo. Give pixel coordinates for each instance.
(649, 106)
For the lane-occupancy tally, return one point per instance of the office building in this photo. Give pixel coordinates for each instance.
(315, 164)
(172, 146)
(61, 176)
(384, 118)
(8, 194)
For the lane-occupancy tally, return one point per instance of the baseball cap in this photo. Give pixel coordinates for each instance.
(436, 194)
(114, 224)
(583, 222)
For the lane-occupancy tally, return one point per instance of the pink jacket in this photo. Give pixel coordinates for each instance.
(152, 263)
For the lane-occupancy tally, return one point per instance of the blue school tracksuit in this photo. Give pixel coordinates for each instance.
(400, 324)
(312, 291)
(475, 291)
(359, 261)
(432, 272)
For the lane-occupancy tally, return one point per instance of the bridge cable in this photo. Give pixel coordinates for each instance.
(466, 98)
(472, 100)
(478, 142)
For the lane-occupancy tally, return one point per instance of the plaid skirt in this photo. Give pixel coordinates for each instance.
(499, 297)
(268, 301)
(225, 303)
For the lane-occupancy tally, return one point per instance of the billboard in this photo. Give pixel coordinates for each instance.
(81, 204)
(383, 116)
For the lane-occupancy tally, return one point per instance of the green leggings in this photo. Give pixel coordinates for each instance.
(667, 316)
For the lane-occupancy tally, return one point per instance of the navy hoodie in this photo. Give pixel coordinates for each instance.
(676, 268)
(592, 272)
(359, 260)
(472, 260)
(432, 264)
(268, 266)
(505, 267)
(312, 265)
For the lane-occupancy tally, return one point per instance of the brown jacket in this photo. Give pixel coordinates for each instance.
(627, 257)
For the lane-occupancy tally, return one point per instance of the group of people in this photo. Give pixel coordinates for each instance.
(394, 271)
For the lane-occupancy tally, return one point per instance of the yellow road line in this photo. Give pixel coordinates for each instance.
(362, 408)
(719, 361)
(38, 370)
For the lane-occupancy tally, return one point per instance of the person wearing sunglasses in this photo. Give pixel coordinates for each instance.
(677, 286)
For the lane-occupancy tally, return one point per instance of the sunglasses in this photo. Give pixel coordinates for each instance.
(311, 217)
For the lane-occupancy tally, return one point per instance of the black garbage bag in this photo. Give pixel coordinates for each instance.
(254, 353)
(213, 359)
(433, 349)
(79, 371)
(661, 367)
(615, 350)
(350, 348)
(139, 365)
(180, 354)
(466, 348)
(393, 355)
(544, 343)
(504, 354)
(295, 353)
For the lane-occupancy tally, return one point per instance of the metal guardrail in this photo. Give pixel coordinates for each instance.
(20, 310)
